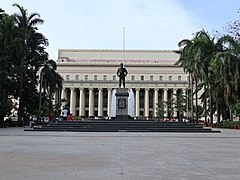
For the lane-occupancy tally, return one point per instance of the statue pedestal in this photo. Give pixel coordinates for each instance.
(121, 103)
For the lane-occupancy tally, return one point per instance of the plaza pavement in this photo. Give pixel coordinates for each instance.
(119, 155)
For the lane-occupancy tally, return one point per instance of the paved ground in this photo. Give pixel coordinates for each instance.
(118, 156)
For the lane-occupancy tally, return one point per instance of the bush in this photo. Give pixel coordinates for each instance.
(228, 124)
(10, 123)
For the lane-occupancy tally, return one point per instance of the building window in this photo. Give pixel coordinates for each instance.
(170, 78)
(77, 77)
(142, 78)
(104, 77)
(179, 78)
(86, 77)
(133, 78)
(151, 78)
(67, 77)
(95, 77)
(160, 78)
(114, 77)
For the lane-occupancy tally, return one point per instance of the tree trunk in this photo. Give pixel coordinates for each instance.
(205, 106)
(196, 100)
(218, 113)
(20, 108)
(192, 116)
(1, 122)
(211, 110)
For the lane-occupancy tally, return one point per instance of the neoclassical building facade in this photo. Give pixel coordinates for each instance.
(90, 80)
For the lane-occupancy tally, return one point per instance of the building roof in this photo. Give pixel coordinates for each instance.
(117, 55)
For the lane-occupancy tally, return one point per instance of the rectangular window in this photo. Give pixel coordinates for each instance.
(170, 78)
(104, 77)
(95, 77)
(86, 77)
(77, 77)
(160, 78)
(67, 77)
(179, 78)
(142, 78)
(151, 78)
(114, 77)
(133, 78)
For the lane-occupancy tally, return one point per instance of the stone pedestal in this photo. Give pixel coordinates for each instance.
(121, 104)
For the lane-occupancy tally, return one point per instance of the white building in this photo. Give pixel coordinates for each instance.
(90, 79)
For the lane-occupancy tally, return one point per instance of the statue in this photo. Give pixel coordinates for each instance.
(121, 73)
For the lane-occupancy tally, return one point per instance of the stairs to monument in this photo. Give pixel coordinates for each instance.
(122, 126)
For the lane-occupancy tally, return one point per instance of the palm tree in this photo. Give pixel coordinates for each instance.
(50, 82)
(195, 58)
(33, 53)
(228, 57)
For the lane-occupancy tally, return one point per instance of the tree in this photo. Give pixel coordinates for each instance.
(33, 54)
(50, 82)
(180, 105)
(161, 111)
(9, 50)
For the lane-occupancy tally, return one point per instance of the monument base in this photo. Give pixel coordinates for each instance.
(121, 103)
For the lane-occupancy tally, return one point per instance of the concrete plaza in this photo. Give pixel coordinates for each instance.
(119, 156)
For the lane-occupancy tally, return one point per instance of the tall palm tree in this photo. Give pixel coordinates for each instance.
(195, 58)
(186, 61)
(50, 82)
(33, 52)
(228, 57)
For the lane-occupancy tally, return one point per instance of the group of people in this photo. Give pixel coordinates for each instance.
(65, 114)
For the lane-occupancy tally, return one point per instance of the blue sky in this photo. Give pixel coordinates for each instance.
(149, 24)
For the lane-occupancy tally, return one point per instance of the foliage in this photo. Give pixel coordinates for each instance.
(228, 124)
(236, 109)
(22, 54)
(161, 111)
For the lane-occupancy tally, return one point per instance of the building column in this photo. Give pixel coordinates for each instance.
(184, 96)
(175, 100)
(82, 103)
(109, 101)
(73, 102)
(155, 103)
(100, 102)
(146, 103)
(63, 96)
(165, 99)
(137, 103)
(91, 103)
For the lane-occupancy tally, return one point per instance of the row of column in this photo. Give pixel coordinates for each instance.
(109, 100)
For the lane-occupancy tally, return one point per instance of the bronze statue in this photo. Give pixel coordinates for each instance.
(121, 73)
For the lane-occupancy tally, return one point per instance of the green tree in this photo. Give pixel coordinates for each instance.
(9, 50)
(161, 111)
(50, 82)
(33, 54)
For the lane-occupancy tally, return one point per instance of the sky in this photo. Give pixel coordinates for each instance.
(148, 24)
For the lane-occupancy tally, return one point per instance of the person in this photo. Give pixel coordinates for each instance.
(70, 118)
(122, 73)
(50, 116)
(54, 119)
(26, 119)
(65, 114)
